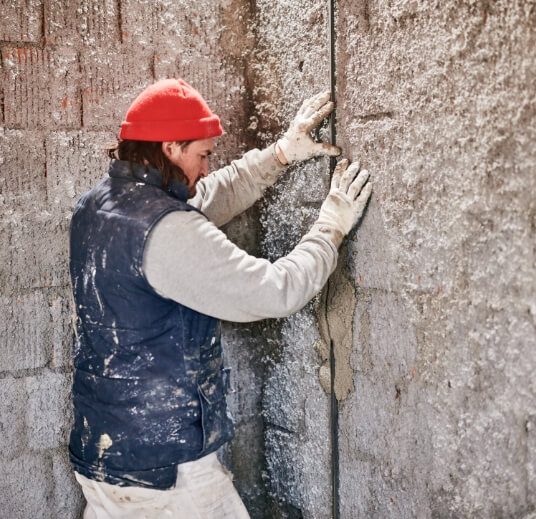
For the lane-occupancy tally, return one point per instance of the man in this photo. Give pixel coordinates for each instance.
(153, 276)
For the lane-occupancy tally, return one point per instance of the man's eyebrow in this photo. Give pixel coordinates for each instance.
(209, 152)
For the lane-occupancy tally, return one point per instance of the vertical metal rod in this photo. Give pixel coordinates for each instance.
(334, 411)
(334, 404)
(332, 73)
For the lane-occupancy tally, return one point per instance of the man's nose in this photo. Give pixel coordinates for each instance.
(204, 169)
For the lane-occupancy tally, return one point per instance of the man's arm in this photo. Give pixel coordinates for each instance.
(188, 259)
(229, 191)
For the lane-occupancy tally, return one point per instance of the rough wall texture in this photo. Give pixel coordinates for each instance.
(69, 72)
(431, 312)
(287, 67)
(439, 100)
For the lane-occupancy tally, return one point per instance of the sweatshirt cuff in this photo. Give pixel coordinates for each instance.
(271, 166)
(327, 232)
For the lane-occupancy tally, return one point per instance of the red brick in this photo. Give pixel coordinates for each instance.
(22, 159)
(40, 88)
(110, 82)
(91, 21)
(21, 20)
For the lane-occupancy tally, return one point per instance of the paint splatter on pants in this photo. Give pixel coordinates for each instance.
(204, 490)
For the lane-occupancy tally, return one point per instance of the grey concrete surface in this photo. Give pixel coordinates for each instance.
(439, 102)
(432, 310)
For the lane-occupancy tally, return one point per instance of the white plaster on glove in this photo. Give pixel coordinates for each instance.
(345, 202)
(297, 143)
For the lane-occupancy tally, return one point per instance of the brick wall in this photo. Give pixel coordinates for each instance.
(69, 71)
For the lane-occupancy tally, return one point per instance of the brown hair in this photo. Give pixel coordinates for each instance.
(149, 153)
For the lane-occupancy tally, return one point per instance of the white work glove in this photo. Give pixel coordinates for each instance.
(346, 200)
(297, 143)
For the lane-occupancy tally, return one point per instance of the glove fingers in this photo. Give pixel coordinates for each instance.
(340, 168)
(364, 196)
(324, 148)
(311, 105)
(357, 184)
(348, 176)
(305, 108)
(314, 119)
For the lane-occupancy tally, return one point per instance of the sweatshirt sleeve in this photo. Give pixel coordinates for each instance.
(226, 193)
(189, 260)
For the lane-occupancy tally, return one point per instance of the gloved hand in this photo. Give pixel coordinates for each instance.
(346, 200)
(297, 143)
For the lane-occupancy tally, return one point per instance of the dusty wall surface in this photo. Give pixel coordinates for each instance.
(287, 67)
(439, 101)
(431, 312)
(69, 72)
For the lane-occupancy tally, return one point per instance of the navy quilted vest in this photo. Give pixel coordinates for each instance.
(149, 384)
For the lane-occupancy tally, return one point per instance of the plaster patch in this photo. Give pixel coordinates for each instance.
(336, 324)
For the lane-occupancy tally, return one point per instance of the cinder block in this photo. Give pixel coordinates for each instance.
(385, 346)
(147, 22)
(49, 412)
(222, 85)
(246, 451)
(41, 88)
(26, 487)
(299, 472)
(68, 498)
(296, 414)
(36, 252)
(530, 427)
(37, 330)
(94, 22)
(187, 42)
(21, 20)
(62, 324)
(281, 448)
(372, 254)
(12, 417)
(138, 23)
(295, 377)
(75, 162)
(110, 82)
(22, 161)
(284, 221)
(310, 181)
(25, 331)
(242, 346)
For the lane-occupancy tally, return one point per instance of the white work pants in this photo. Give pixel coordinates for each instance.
(204, 490)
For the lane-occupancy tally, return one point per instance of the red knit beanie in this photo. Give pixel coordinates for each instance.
(170, 110)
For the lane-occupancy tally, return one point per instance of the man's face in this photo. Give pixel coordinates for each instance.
(192, 159)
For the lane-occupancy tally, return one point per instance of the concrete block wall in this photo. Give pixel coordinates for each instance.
(432, 308)
(431, 311)
(69, 71)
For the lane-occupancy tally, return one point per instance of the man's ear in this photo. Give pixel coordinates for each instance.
(167, 148)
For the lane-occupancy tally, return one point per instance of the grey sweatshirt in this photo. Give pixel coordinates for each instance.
(187, 257)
